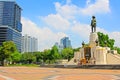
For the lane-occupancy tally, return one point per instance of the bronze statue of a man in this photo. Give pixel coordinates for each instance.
(93, 24)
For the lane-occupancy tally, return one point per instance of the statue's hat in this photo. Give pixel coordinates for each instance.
(93, 16)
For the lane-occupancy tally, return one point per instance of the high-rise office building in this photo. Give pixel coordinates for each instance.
(29, 44)
(10, 22)
(65, 42)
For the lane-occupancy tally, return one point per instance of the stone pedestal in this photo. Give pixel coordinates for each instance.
(93, 38)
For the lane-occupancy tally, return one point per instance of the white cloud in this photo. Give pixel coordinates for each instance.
(100, 6)
(57, 22)
(82, 29)
(46, 38)
(116, 37)
(69, 11)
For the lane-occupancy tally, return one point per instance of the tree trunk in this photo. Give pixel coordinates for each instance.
(3, 62)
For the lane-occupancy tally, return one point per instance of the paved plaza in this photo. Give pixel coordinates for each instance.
(37, 73)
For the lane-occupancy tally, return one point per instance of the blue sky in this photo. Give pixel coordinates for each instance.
(50, 20)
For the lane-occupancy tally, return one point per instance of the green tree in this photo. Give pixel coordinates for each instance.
(54, 54)
(28, 58)
(39, 56)
(104, 40)
(67, 53)
(7, 49)
(51, 55)
(46, 56)
(1, 53)
(16, 57)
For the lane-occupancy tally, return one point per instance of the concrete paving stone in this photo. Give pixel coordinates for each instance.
(38, 73)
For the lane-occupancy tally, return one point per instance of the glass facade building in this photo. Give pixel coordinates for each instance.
(10, 23)
(65, 42)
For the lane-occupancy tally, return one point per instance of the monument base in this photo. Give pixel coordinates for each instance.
(93, 38)
(94, 54)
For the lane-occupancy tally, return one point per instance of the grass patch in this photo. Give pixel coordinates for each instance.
(23, 65)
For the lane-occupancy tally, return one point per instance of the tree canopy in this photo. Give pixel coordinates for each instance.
(9, 52)
(28, 58)
(104, 40)
(67, 53)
